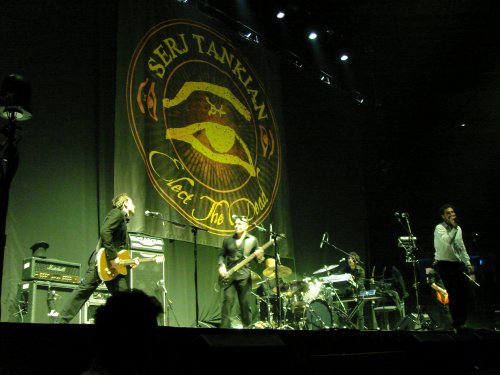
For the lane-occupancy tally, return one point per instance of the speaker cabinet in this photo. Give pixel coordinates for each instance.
(149, 277)
(38, 300)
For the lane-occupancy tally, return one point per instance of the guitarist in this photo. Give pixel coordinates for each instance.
(235, 249)
(440, 297)
(113, 238)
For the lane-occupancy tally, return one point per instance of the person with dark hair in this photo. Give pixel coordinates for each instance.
(452, 261)
(113, 238)
(354, 268)
(127, 317)
(235, 249)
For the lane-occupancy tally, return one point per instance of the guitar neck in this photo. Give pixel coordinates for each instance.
(241, 264)
(128, 262)
(248, 259)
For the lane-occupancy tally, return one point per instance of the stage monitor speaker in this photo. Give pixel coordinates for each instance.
(40, 300)
(149, 277)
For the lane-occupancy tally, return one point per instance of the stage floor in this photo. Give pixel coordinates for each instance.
(30, 348)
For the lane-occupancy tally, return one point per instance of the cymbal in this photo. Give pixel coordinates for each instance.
(326, 268)
(255, 280)
(283, 271)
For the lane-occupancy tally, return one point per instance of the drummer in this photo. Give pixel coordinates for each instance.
(267, 289)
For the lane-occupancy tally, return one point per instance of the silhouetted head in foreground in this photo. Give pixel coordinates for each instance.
(127, 334)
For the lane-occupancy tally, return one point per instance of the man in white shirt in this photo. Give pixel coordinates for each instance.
(452, 261)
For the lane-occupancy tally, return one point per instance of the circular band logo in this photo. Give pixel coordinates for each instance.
(203, 125)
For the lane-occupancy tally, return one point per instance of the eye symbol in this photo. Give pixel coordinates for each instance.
(149, 99)
(221, 138)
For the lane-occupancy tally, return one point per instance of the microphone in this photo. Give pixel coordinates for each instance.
(151, 213)
(259, 228)
(323, 239)
(342, 260)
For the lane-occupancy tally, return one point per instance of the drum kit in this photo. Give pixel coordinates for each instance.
(313, 303)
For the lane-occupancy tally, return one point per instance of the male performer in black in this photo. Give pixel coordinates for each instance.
(452, 260)
(234, 250)
(113, 238)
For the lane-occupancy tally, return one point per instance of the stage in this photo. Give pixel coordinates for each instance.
(32, 348)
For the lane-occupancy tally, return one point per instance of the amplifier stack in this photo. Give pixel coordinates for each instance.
(46, 283)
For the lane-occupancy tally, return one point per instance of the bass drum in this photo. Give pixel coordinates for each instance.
(318, 315)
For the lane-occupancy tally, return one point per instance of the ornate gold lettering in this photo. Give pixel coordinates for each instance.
(171, 44)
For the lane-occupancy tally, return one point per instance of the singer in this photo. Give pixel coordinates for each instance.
(235, 274)
(113, 238)
(451, 258)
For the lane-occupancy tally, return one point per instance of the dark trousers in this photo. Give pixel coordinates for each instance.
(455, 284)
(242, 290)
(88, 284)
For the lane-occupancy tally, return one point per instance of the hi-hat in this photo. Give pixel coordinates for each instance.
(255, 280)
(283, 271)
(326, 268)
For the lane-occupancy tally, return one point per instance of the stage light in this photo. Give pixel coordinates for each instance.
(251, 36)
(359, 98)
(325, 77)
(344, 57)
(313, 35)
(280, 15)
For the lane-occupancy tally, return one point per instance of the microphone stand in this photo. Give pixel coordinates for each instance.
(166, 315)
(194, 230)
(339, 249)
(277, 265)
(410, 247)
(343, 310)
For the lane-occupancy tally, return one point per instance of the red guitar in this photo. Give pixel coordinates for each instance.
(442, 297)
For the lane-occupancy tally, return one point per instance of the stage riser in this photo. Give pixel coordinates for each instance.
(204, 351)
